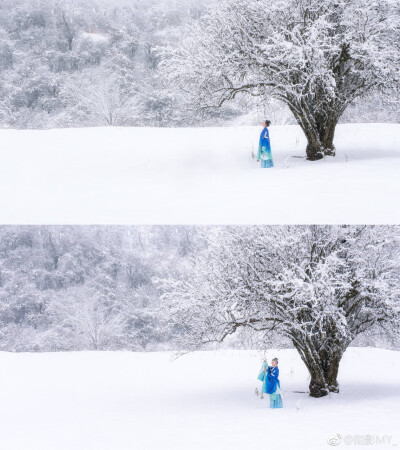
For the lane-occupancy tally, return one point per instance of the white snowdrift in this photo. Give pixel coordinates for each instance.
(205, 400)
(203, 175)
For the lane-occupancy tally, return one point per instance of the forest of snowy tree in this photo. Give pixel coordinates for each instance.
(146, 287)
(86, 287)
(93, 63)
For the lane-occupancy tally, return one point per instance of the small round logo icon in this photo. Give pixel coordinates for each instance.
(335, 440)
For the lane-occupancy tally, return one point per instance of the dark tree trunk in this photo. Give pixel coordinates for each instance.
(331, 375)
(318, 387)
(320, 140)
(323, 367)
(324, 379)
(319, 129)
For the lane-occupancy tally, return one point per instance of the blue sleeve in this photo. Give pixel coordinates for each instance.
(261, 375)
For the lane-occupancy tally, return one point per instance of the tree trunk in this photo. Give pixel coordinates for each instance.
(331, 372)
(320, 141)
(319, 130)
(318, 386)
(323, 367)
(324, 379)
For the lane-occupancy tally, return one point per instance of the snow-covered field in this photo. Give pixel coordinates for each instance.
(204, 175)
(205, 400)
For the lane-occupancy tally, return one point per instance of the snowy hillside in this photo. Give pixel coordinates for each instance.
(204, 175)
(146, 401)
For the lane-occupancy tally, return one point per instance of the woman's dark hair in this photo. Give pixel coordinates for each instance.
(275, 359)
(267, 122)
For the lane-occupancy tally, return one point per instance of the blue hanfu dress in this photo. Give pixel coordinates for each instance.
(264, 150)
(271, 385)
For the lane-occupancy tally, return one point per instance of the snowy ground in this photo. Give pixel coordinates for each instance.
(194, 176)
(205, 400)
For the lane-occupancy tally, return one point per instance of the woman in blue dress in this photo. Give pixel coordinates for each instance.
(264, 147)
(269, 375)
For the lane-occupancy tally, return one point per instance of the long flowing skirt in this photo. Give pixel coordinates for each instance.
(275, 400)
(265, 163)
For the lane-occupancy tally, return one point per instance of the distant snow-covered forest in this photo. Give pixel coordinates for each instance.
(173, 287)
(93, 63)
(85, 287)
